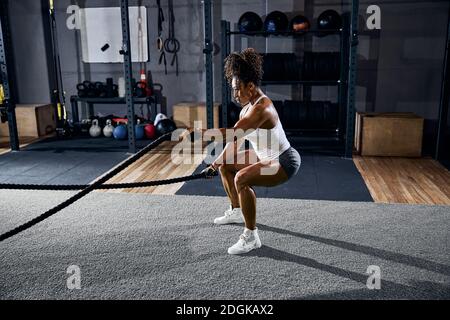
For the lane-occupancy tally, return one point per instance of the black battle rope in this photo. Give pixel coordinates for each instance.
(160, 41)
(71, 187)
(97, 184)
(172, 45)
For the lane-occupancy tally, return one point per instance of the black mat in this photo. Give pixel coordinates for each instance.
(81, 160)
(71, 161)
(319, 178)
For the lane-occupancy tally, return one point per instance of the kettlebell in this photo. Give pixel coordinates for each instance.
(82, 91)
(100, 89)
(158, 118)
(90, 89)
(139, 130)
(120, 132)
(140, 89)
(108, 129)
(85, 126)
(95, 130)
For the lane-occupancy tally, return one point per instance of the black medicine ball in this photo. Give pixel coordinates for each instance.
(249, 22)
(329, 20)
(165, 126)
(276, 21)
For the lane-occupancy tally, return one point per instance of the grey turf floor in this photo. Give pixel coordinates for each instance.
(134, 246)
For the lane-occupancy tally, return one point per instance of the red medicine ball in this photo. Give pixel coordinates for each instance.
(150, 131)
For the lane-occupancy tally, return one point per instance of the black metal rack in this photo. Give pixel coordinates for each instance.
(207, 10)
(302, 82)
(443, 139)
(74, 100)
(126, 52)
(295, 34)
(7, 76)
(8, 105)
(346, 83)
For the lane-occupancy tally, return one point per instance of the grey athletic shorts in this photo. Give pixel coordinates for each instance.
(290, 161)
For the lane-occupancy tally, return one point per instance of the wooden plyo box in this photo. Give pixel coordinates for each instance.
(185, 113)
(32, 120)
(388, 134)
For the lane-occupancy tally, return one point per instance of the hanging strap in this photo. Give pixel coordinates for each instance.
(160, 41)
(172, 45)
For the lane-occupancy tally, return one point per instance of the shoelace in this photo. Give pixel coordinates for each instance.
(228, 213)
(243, 239)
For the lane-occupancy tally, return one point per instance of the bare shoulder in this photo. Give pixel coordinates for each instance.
(263, 105)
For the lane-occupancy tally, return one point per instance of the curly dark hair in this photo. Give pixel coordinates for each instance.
(247, 66)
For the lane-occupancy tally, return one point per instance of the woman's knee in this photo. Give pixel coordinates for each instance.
(226, 169)
(240, 181)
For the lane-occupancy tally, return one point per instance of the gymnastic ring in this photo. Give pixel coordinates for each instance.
(160, 44)
(174, 42)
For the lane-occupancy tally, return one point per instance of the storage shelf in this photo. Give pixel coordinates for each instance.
(302, 82)
(337, 133)
(325, 130)
(115, 100)
(287, 33)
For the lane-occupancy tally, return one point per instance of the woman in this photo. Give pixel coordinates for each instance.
(268, 164)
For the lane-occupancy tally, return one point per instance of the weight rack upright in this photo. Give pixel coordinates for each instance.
(8, 105)
(128, 71)
(444, 100)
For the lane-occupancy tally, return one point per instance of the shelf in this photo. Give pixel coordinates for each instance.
(339, 135)
(334, 131)
(302, 82)
(117, 100)
(287, 33)
(313, 134)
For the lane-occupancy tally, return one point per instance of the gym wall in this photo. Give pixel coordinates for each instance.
(29, 52)
(410, 61)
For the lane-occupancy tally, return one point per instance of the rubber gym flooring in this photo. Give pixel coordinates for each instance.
(55, 161)
(320, 178)
(147, 246)
(79, 161)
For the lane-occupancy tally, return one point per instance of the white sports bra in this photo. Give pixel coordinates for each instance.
(267, 143)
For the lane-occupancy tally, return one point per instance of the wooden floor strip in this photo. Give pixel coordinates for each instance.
(157, 165)
(23, 142)
(405, 180)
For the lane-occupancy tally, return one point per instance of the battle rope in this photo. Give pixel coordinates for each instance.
(69, 187)
(98, 185)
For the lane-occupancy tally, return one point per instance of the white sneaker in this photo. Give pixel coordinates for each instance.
(248, 241)
(230, 216)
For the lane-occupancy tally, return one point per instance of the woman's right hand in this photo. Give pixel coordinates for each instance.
(214, 165)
